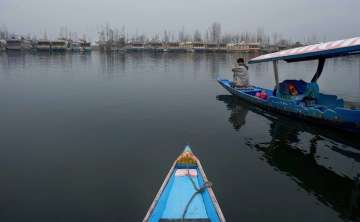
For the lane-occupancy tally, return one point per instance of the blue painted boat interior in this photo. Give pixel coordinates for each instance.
(323, 107)
(177, 194)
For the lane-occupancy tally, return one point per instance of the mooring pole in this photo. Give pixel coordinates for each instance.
(276, 73)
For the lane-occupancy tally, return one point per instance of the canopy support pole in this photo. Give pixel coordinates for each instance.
(319, 70)
(276, 73)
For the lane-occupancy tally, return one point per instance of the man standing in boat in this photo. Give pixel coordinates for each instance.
(241, 76)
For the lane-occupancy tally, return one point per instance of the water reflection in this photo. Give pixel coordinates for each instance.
(333, 135)
(331, 186)
(238, 112)
(13, 59)
(111, 64)
(214, 62)
(114, 63)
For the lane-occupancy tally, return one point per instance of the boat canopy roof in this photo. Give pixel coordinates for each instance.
(318, 51)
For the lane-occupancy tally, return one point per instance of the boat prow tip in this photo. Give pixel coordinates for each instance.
(187, 149)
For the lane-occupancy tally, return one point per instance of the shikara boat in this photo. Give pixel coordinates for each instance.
(186, 194)
(302, 99)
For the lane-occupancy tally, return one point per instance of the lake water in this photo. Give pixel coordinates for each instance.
(91, 138)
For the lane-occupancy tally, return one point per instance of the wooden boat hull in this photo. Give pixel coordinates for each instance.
(339, 118)
(177, 199)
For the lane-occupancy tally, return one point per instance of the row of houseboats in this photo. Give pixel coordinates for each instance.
(15, 44)
(183, 47)
(60, 45)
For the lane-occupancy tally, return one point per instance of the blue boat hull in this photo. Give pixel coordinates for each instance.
(185, 195)
(338, 117)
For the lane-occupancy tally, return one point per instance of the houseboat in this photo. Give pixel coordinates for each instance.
(59, 45)
(75, 46)
(244, 47)
(85, 46)
(18, 44)
(26, 44)
(199, 47)
(253, 47)
(221, 48)
(155, 47)
(175, 47)
(135, 47)
(43, 45)
(188, 46)
(211, 47)
(14, 44)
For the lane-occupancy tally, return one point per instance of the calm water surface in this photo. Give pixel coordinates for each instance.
(91, 138)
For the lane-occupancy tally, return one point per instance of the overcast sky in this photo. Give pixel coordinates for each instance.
(296, 19)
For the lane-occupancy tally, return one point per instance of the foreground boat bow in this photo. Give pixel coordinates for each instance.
(185, 194)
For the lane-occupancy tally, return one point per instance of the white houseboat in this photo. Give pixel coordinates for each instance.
(175, 47)
(135, 46)
(85, 46)
(14, 44)
(18, 44)
(59, 45)
(221, 48)
(75, 46)
(188, 46)
(155, 47)
(243, 47)
(199, 47)
(43, 45)
(211, 47)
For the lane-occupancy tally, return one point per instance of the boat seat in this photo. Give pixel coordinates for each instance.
(185, 220)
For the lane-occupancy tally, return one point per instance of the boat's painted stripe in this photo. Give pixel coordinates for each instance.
(212, 206)
(324, 50)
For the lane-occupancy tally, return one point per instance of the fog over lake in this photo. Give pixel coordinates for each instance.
(326, 19)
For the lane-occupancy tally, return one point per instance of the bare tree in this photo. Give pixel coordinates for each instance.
(236, 38)
(181, 35)
(166, 36)
(197, 36)
(110, 36)
(207, 36)
(155, 38)
(173, 38)
(215, 32)
(275, 38)
(45, 35)
(141, 38)
(4, 32)
(260, 35)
